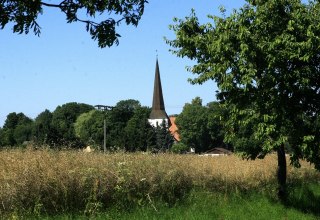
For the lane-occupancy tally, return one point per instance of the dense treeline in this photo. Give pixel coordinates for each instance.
(75, 125)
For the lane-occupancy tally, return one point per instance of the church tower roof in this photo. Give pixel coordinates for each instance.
(158, 110)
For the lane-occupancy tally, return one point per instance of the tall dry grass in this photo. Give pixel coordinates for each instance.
(44, 181)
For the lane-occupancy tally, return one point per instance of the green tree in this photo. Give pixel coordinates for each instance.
(179, 148)
(16, 129)
(265, 60)
(216, 115)
(138, 131)
(89, 127)
(192, 123)
(162, 137)
(23, 132)
(63, 119)
(100, 17)
(117, 120)
(43, 131)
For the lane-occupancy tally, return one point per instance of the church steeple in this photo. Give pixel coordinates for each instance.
(158, 112)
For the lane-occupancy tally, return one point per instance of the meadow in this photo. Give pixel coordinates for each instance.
(48, 183)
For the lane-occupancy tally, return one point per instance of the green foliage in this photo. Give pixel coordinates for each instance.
(138, 130)
(63, 119)
(163, 138)
(216, 119)
(42, 129)
(23, 132)
(117, 120)
(24, 14)
(129, 105)
(16, 130)
(6, 137)
(200, 126)
(75, 125)
(127, 127)
(265, 60)
(179, 148)
(89, 127)
(192, 124)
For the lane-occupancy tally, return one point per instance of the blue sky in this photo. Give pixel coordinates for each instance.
(65, 65)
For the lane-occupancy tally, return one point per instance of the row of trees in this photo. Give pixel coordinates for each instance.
(127, 127)
(76, 125)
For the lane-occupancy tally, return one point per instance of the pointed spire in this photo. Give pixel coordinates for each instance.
(158, 109)
(158, 103)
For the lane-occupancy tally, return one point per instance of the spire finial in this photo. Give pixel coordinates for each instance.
(157, 54)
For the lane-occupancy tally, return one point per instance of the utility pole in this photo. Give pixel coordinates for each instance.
(104, 108)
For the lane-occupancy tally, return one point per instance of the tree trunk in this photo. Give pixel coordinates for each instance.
(282, 173)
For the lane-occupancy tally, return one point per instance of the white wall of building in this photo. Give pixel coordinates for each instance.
(157, 122)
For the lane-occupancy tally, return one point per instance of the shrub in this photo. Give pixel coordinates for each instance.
(179, 148)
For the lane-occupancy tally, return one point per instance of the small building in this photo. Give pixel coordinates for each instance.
(218, 151)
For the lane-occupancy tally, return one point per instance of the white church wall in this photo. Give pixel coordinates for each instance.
(157, 122)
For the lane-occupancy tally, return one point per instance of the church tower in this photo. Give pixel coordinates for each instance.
(158, 112)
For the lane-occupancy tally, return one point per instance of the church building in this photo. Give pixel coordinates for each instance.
(158, 113)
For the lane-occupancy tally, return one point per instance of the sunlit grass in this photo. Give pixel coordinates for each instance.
(45, 182)
(202, 205)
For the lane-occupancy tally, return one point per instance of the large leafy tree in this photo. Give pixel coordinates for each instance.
(216, 116)
(163, 138)
(138, 132)
(265, 59)
(117, 120)
(63, 119)
(200, 127)
(101, 17)
(89, 127)
(43, 131)
(16, 129)
(192, 124)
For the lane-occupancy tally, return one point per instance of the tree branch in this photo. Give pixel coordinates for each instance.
(51, 5)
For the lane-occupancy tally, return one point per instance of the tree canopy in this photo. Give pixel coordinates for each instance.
(127, 127)
(16, 129)
(100, 17)
(43, 131)
(74, 125)
(89, 127)
(200, 127)
(139, 134)
(63, 119)
(192, 124)
(265, 59)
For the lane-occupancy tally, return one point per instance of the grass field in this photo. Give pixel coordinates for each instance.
(73, 184)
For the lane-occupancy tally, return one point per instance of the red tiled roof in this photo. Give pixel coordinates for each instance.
(174, 129)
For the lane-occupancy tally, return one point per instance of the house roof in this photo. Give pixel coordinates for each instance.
(174, 129)
(218, 150)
